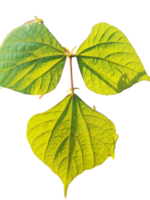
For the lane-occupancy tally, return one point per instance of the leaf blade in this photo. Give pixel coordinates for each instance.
(27, 53)
(108, 62)
(71, 138)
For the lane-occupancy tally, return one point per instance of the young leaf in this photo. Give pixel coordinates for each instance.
(108, 62)
(31, 60)
(71, 137)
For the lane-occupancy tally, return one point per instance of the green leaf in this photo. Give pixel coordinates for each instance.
(71, 137)
(108, 62)
(31, 60)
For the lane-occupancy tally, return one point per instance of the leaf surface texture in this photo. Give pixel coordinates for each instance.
(31, 60)
(71, 137)
(108, 62)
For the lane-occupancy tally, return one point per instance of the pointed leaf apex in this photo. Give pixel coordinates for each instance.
(73, 50)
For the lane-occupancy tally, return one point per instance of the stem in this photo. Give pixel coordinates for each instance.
(71, 72)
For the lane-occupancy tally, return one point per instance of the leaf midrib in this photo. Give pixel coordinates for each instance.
(108, 61)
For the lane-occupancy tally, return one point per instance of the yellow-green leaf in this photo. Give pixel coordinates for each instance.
(71, 137)
(108, 62)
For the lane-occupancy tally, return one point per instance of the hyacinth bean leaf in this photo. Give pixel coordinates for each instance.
(31, 59)
(108, 62)
(71, 138)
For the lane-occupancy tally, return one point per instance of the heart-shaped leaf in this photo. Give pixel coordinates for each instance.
(31, 60)
(71, 137)
(108, 62)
